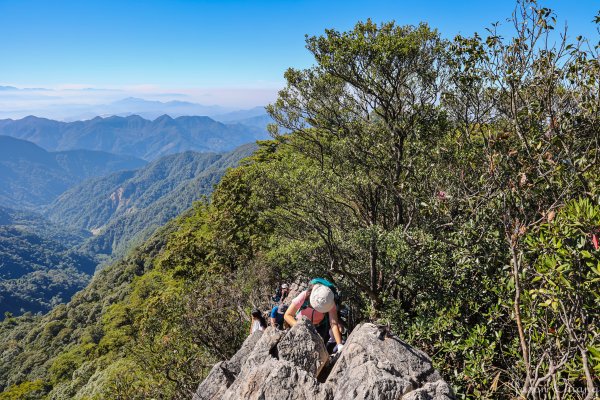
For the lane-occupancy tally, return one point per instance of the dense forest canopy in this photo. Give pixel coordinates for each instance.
(449, 188)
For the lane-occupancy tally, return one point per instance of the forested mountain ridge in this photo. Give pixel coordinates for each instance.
(43, 263)
(31, 176)
(38, 269)
(134, 135)
(41, 226)
(126, 207)
(448, 188)
(79, 324)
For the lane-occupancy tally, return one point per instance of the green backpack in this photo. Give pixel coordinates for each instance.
(324, 282)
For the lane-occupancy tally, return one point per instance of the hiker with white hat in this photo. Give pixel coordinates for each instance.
(317, 304)
(285, 290)
(281, 293)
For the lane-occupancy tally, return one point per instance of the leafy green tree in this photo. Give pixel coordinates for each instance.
(29, 390)
(363, 120)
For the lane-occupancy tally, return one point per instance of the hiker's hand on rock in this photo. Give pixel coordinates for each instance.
(338, 348)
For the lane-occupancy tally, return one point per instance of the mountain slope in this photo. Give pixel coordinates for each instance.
(126, 207)
(115, 330)
(37, 269)
(39, 266)
(31, 176)
(134, 135)
(29, 344)
(39, 225)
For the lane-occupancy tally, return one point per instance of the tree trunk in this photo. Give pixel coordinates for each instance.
(517, 310)
(591, 391)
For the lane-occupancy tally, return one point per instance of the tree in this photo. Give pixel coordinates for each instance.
(363, 120)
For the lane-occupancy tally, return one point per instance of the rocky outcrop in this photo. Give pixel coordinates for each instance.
(376, 365)
(303, 348)
(224, 373)
(294, 365)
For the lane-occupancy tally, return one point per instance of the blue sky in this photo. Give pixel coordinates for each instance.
(186, 47)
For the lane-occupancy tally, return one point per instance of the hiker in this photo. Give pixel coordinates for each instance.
(281, 293)
(258, 321)
(285, 290)
(277, 314)
(317, 303)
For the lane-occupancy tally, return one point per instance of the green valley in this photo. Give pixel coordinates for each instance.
(125, 208)
(38, 268)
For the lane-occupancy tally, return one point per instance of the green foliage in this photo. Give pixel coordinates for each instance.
(25, 391)
(66, 363)
(37, 269)
(30, 345)
(417, 197)
(563, 296)
(448, 189)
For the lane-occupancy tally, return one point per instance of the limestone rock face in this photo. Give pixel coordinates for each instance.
(264, 349)
(290, 365)
(276, 379)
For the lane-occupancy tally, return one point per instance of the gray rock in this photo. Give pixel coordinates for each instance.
(303, 347)
(274, 369)
(264, 349)
(387, 368)
(278, 379)
(285, 365)
(224, 373)
(431, 391)
(215, 385)
(236, 362)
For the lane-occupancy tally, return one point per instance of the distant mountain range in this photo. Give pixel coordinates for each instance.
(125, 208)
(134, 135)
(31, 176)
(241, 115)
(98, 197)
(149, 109)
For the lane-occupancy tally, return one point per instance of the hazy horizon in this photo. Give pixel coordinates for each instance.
(68, 104)
(67, 59)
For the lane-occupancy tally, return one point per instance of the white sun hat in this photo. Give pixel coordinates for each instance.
(322, 298)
